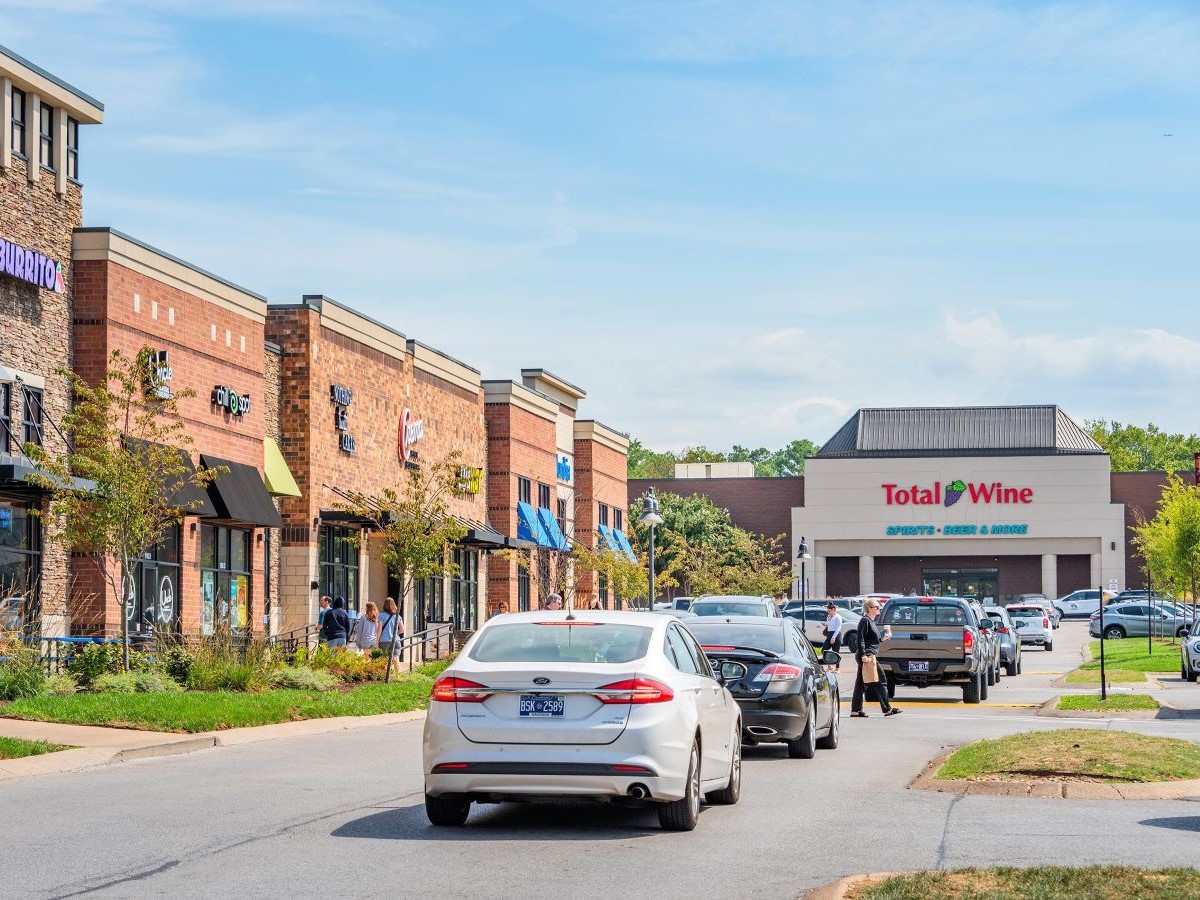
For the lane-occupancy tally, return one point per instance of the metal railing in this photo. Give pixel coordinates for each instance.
(56, 652)
(434, 643)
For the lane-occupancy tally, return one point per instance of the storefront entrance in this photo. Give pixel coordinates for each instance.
(978, 584)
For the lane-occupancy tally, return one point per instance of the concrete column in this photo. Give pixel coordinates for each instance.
(6, 146)
(1050, 576)
(866, 574)
(60, 150)
(33, 109)
(1097, 560)
(815, 568)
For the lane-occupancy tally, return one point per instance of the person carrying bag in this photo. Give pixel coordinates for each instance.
(868, 665)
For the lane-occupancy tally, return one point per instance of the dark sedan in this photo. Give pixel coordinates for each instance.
(785, 694)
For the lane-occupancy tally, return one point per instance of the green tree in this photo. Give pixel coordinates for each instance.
(1170, 542)
(1149, 449)
(416, 526)
(126, 437)
(786, 462)
(789, 462)
(701, 454)
(646, 463)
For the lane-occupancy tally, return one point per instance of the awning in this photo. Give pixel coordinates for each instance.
(529, 527)
(188, 497)
(553, 532)
(623, 542)
(610, 542)
(15, 472)
(482, 536)
(276, 474)
(240, 494)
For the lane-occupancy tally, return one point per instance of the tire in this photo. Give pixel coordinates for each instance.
(971, 690)
(830, 741)
(729, 794)
(1179, 632)
(1192, 676)
(1012, 668)
(1060, 615)
(984, 688)
(805, 746)
(991, 676)
(852, 642)
(1020, 664)
(1048, 646)
(447, 811)
(1114, 633)
(684, 813)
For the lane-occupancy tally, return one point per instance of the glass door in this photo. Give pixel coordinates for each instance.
(975, 584)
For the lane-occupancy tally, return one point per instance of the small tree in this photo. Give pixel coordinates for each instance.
(1170, 542)
(416, 525)
(126, 437)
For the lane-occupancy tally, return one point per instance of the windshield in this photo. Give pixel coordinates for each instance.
(587, 642)
(898, 613)
(729, 608)
(1027, 612)
(728, 635)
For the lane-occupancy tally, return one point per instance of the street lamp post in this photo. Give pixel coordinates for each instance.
(650, 517)
(803, 555)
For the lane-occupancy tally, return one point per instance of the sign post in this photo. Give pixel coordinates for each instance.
(1103, 688)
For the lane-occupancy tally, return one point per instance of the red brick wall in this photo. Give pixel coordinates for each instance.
(601, 474)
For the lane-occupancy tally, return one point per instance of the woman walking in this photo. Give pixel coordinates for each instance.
(364, 633)
(868, 665)
(833, 633)
(389, 621)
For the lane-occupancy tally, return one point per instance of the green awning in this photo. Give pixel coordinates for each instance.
(277, 475)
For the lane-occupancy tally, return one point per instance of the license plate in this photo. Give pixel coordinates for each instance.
(543, 706)
(918, 666)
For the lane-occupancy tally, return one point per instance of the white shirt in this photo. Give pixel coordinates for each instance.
(833, 625)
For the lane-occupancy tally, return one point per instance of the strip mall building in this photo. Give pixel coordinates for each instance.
(986, 502)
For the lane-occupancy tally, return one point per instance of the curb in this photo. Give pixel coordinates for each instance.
(1164, 711)
(837, 890)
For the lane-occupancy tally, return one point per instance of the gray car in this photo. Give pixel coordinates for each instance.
(814, 616)
(1122, 620)
(1010, 643)
(735, 605)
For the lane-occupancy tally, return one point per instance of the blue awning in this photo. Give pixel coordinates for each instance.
(623, 540)
(550, 526)
(610, 542)
(529, 527)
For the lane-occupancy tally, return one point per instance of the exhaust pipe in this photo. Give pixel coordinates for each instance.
(761, 730)
(638, 791)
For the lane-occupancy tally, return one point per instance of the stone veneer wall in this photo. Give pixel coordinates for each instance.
(272, 386)
(35, 332)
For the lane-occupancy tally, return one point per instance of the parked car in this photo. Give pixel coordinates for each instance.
(935, 640)
(989, 644)
(1137, 619)
(785, 694)
(735, 605)
(1136, 596)
(854, 604)
(1040, 599)
(612, 706)
(814, 616)
(10, 613)
(1189, 658)
(674, 603)
(1080, 604)
(1033, 624)
(1010, 642)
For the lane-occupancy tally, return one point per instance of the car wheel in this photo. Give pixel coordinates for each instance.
(852, 642)
(1012, 668)
(1020, 665)
(972, 690)
(1048, 646)
(805, 746)
(682, 814)
(1192, 675)
(1181, 631)
(830, 741)
(991, 676)
(1114, 633)
(729, 794)
(984, 690)
(447, 810)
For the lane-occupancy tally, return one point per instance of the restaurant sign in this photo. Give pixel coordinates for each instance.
(341, 397)
(230, 401)
(31, 266)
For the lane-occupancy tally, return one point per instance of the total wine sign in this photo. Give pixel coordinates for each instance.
(937, 494)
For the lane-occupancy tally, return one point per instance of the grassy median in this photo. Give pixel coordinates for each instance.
(16, 748)
(1114, 702)
(1132, 655)
(1111, 676)
(1076, 754)
(1036, 883)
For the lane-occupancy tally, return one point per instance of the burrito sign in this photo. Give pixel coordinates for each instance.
(31, 266)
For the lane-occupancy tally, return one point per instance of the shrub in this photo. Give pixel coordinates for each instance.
(21, 673)
(303, 678)
(178, 664)
(136, 683)
(223, 664)
(354, 668)
(61, 686)
(91, 661)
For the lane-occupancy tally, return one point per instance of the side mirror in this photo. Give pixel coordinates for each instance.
(831, 658)
(1018, 625)
(731, 671)
(1184, 632)
(985, 626)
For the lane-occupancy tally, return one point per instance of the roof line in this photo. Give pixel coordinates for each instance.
(20, 60)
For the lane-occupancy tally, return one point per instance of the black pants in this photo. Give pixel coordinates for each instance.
(880, 689)
(832, 642)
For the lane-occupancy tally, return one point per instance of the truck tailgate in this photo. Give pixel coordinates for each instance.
(923, 642)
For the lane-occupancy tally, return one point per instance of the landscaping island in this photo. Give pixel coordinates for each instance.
(18, 748)
(1061, 883)
(1113, 703)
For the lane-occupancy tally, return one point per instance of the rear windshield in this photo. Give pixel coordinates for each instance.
(1026, 611)
(724, 635)
(898, 613)
(606, 642)
(729, 608)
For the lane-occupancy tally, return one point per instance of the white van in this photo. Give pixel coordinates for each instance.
(1080, 604)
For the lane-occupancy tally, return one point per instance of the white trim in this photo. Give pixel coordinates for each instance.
(521, 397)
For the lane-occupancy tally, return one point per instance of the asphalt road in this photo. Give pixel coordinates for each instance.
(342, 815)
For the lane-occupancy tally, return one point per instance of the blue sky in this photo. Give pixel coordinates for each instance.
(727, 221)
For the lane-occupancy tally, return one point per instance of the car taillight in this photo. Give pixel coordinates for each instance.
(636, 690)
(449, 689)
(1045, 623)
(1002, 629)
(968, 641)
(707, 647)
(778, 672)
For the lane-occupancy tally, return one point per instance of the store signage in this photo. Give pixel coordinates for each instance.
(410, 431)
(230, 401)
(979, 492)
(31, 266)
(341, 397)
(161, 375)
(957, 530)
(564, 468)
(470, 480)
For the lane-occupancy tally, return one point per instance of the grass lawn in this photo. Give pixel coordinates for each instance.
(1130, 654)
(15, 748)
(1037, 883)
(1114, 702)
(1111, 676)
(196, 711)
(1076, 754)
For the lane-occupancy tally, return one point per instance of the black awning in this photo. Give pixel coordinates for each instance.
(344, 517)
(189, 497)
(486, 540)
(239, 493)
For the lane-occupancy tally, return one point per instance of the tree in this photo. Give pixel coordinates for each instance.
(783, 463)
(1135, 449)
(126, 438)
(1170, 542)
(415, 523)
(646, 463)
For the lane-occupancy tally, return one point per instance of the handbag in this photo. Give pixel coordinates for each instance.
(870, 670)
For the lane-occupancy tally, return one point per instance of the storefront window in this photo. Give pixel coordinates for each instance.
(6, 435)
(150, 602)
(18, 122)
(32, 416)
(522, 589)
(20, 565)
(339, 564)
(464, 589)
(602, 589)
(430, 598)
(224, 578)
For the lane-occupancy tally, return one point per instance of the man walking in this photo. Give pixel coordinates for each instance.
(868, 648)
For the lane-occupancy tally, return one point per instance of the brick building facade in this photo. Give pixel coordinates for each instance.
(601, 471)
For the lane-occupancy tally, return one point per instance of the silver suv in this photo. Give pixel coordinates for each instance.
(735, 605)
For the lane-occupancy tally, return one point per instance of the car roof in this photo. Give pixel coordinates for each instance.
(740, 621)
(641, 617)
(741, 598)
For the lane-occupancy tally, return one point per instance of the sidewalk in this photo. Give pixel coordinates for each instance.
(95, 746)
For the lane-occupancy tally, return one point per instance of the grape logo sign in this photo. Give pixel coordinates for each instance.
(980, 492)
(410, 432)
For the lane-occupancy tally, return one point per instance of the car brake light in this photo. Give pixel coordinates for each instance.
(1045, 623)
(1002, 629)
(449, 689)
(716, 647)
(968, 641)
(636, 690)
(568, 622)
(778, 672)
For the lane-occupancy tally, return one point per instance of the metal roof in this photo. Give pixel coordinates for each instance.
(960, 431)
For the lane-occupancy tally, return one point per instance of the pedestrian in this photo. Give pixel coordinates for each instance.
(501, 609)
(335, 627)
(364, 634)
(323, 608)
(833, 633)
(595, 604)
(389, 621)
(553, 601)
(868, 664)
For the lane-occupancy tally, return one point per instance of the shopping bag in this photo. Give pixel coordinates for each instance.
(870, 670)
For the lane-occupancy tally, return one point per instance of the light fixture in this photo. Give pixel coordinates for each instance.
(192, 527)
(651, 517)
(803, 555)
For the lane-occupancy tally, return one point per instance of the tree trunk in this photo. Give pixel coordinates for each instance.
(125, 576)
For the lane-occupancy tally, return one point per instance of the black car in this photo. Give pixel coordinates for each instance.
(777, 679)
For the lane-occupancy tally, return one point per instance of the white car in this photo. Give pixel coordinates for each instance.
(1032, 622)
(1189, 658)
(612, 706)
